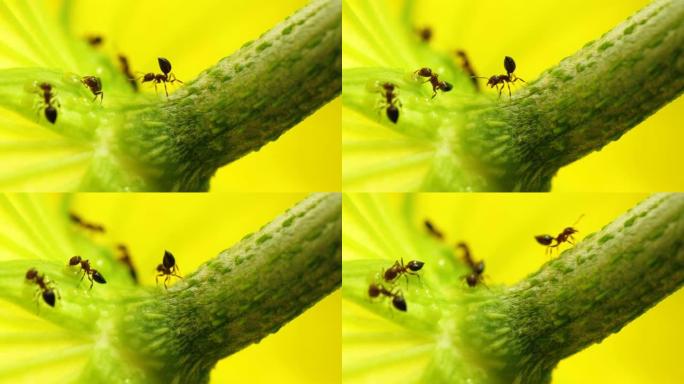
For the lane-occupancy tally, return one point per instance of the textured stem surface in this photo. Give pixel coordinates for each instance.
(588, 100)
(246, 293)
(590, 292)
(247, 100)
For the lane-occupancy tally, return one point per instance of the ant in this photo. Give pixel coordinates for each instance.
(564, 236)
(95, 85)
(76, 219)
(425, 34)
(432, 230)
(375, 290)
(510, 77)
(49, 101)
(126, 69)
(166, 77)
(45, 287)
(92, 273)
(476, 268)
(433, 78)
(94, 40)
(167, 268)
(398, 269)
(465, 64)
(126, 259)
(391, 101)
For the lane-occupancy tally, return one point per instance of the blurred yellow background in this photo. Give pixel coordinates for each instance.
(194, 36)
(538, 34)
(499, 229)
(196, 227)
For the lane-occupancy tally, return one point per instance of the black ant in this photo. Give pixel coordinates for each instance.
(425, 34)
(510, 77)
(375, 290)
(465, 64)
(565, 236)
(433, 78)
(398, 269)
(49, 101)
(94, 40)
(45, 287)
(391, 101)
(432, 230)
(125, 257)
(126, 69)
(166, 77)
(95, 85)
(167, 268)
(476, 268)
(92, 273)
(76, 219)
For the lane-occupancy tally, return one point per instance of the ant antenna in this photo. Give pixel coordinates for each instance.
(578, 219)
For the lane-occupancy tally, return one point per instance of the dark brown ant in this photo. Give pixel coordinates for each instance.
(95, 85)
(465, 64)
(166, 77)
(391, 101)
(565, 236)
(433, 78)
(126, 69)
(49, 101)
(125, 257)
(167, 268)
(375, 290)
(510, 77)
(94, 40)
(425, 34)
(45, 287)
(92, 273)
(476, 268)
(432, 230)
(398, 269)
(93, 227)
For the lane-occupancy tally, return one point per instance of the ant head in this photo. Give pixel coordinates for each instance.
(544, 239)
(493, 80)
(388, 86)
(75, 260)
(49, 297)
(98, 277)
(31, 274)
(479, 267)
(160, 268)
(45, 86)
(399, 302)
(446, 86)
(471, 280)
(570, 230)
(169, 261)
(164, 65)
(415, 265)
(373, 290)
(509, 64)
(393, 113)
(425, 72)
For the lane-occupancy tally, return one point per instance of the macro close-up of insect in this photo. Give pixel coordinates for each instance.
(49, 103)
(88, 271)
(390, 102)
(161, 78)
(399, 268)
(433, 79)
(46, 289)
(375, 290)
(565, 236)
(503, 80)
(167, 268)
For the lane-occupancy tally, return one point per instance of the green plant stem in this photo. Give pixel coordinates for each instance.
(238, 298)
(590, 292)
(584, 103)
(245, 101)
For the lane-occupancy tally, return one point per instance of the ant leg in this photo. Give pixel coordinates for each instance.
(156, 279)
(166, 280)
(165, 90)
(500, 89)
(509, 90)
(91, 282)
(180, 277)
(155, 88)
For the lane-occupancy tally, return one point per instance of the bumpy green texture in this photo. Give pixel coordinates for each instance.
(590, 292)
(247, 100)
(587, 101)
(246, 293)
(466, 140)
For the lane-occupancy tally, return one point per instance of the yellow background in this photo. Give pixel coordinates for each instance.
(196, 227)
(195, 35)
(499, 229)
(538, 34)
